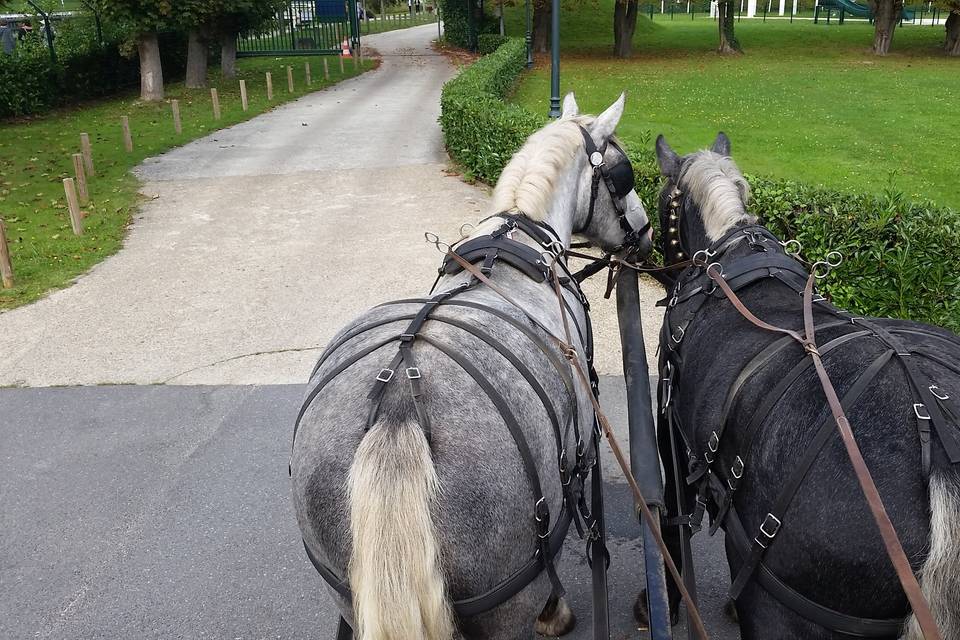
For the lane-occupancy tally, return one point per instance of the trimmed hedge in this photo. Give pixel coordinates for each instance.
(487, 43)
(482, 131)
(901, 258)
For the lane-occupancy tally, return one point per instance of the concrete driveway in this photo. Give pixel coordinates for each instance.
(163, 511)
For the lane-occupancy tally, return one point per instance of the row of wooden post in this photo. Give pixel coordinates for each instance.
(76, 188)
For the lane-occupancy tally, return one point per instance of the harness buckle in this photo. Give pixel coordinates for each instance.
(714, 443)
(677, 336)
(918, 407)
(385, 375)
(937, 391)
(407, 337)
(737, 469)
(773, 522)
(413, 373)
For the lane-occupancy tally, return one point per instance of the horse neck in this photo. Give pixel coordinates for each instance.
(563, 205)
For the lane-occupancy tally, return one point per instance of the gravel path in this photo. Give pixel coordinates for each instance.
(258, 242)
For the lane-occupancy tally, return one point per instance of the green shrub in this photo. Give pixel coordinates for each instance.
(487, 43)
(481, 131)
(901, 258)
(31, 83)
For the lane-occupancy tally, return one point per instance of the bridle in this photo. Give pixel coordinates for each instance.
(619, 180)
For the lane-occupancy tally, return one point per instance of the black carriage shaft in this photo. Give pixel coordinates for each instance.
(644, 457)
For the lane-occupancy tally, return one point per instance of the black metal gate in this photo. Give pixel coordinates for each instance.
(306, 27)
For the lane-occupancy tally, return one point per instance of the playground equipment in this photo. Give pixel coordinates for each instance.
(849, 7)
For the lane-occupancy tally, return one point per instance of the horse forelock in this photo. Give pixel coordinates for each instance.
(529, 180)
(719, 190)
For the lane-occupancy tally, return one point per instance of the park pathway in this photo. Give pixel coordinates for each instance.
(258, 242)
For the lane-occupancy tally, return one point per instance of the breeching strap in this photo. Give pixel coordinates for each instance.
(919, 604)
(571, 355)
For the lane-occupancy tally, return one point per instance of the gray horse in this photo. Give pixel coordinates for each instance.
(414, 518)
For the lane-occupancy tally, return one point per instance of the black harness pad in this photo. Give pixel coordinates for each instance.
(487, 249)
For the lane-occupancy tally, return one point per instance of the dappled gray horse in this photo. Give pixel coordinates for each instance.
(759, 447)
(432, 460)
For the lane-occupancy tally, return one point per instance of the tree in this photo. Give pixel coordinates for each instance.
(541, 25)
(952, 43)
(235, 18)
(624, 26)
(886, 15)
(96, 9)
(725, 20)
(143, 18)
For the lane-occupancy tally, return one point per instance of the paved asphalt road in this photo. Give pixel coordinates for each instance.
(164, 512)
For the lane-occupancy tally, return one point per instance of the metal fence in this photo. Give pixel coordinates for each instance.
(305, 27)
(924, 13)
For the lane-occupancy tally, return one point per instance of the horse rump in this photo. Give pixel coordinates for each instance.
(399, 590)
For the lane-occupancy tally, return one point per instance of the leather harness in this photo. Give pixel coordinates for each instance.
(487, 251)
(717, 472)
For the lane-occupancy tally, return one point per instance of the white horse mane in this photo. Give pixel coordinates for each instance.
(528, 181)
(716, 184)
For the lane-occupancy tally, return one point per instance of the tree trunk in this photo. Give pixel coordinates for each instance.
(228, 54)
(886, 15)
(541, 26)
(196, 60)
(151, 69)
(624, 26)
(952, 46)
(725, 19)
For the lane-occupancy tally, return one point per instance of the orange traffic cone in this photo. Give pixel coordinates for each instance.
(345, 48)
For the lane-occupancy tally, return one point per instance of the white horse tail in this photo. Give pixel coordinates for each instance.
(940, 575)
(399, 591)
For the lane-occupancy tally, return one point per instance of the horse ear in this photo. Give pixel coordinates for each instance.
(570, 108)
(721, 145)
(607, 121)
(667, 158)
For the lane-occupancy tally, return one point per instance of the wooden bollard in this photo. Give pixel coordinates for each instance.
(326, 70)
(243, 95)
(355, 58)
(81, 178)
(269, 86)
(76, 220)
(177, 122)
(127, 136)
(306, 73)
(289, 79)
(6, 268)
(215, 98)
(341, 63)
(87, 152)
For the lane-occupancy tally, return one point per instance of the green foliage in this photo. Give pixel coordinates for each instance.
(456, 23)
(900, 256)
(481, 131)
(487, 43)
(142, 16)
(84, 70)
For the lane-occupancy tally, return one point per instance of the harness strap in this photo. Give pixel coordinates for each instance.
(774, 519)
(344, 632)
(805, 607)
(891, 542)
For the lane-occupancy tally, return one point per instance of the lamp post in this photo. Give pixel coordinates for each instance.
(555, 59)
(529, 36)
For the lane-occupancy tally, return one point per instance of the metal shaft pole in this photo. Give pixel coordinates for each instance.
(644, 454)
(555, 59)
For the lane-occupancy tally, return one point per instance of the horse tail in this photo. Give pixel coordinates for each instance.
(940, 574)
(399, 590)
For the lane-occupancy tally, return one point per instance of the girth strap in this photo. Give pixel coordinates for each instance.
(774, 519)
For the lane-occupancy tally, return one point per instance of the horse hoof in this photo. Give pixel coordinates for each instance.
(556, 621)
(730, 610)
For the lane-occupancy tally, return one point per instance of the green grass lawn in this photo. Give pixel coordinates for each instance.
(806, 102)
(35, 156)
